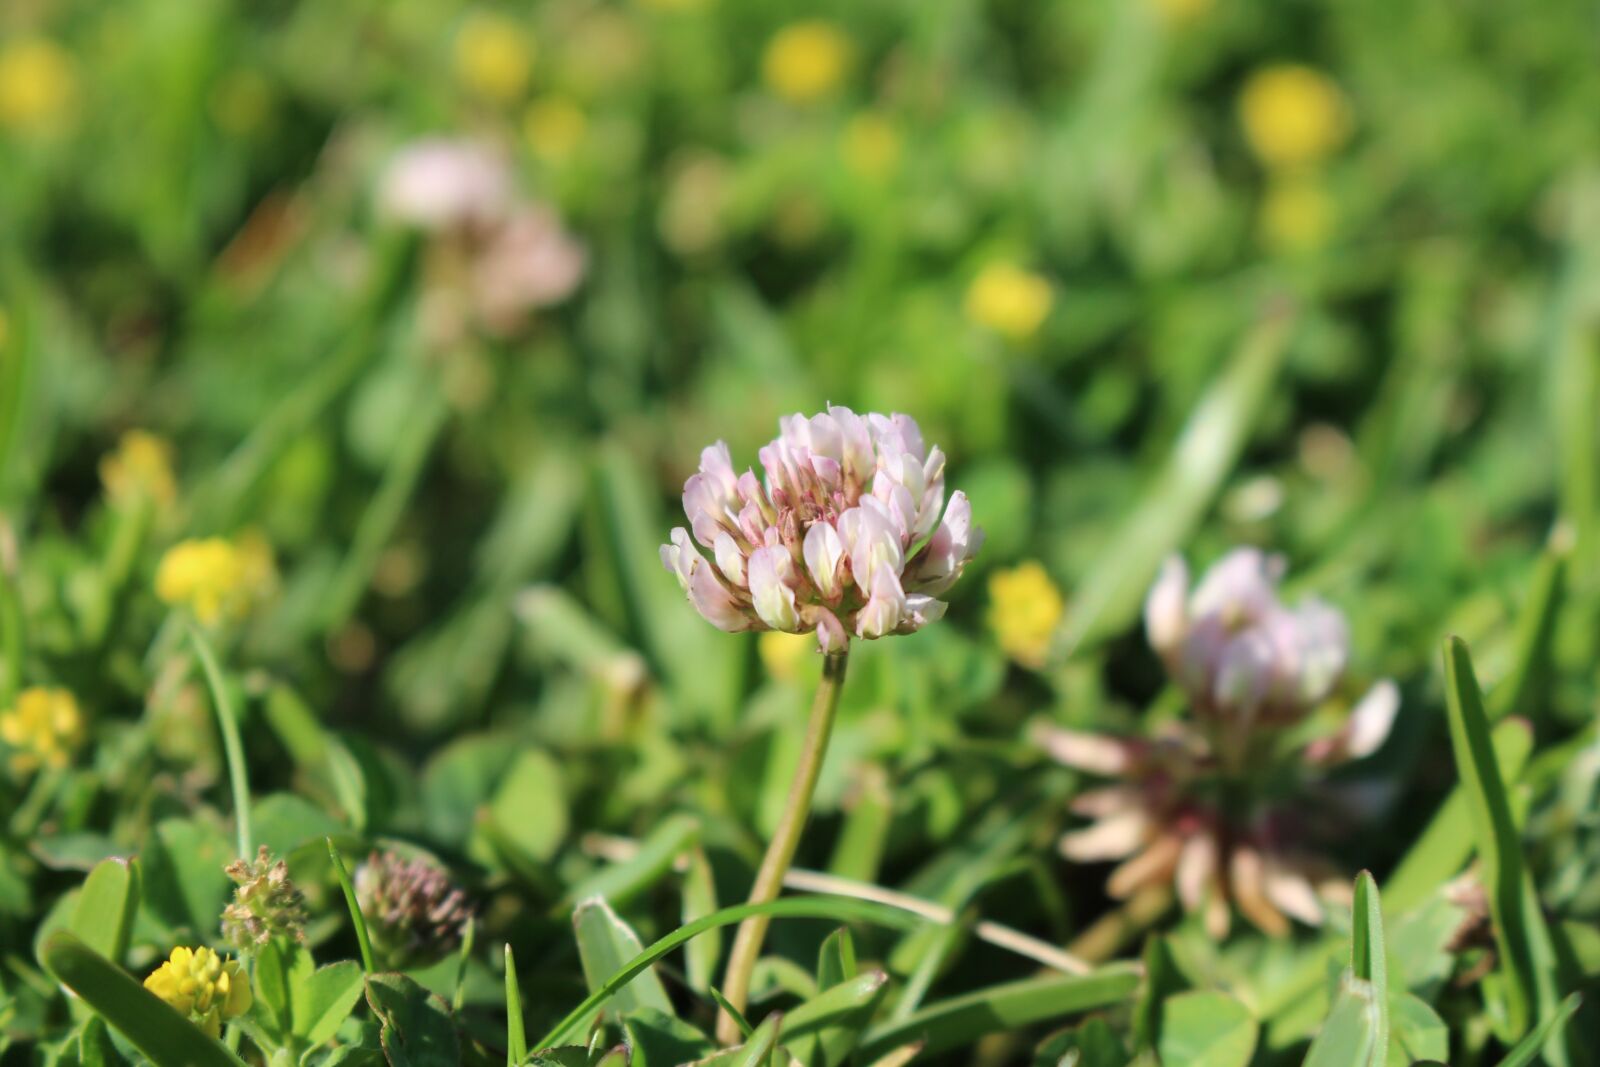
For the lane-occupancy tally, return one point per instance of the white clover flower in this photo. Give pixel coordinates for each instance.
(843, 536)
(440, 184)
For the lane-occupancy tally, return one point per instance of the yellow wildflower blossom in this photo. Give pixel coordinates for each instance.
(202, 985)
(554, 127)
(1009, 300)
(209, 576)
(139, 469)
(783, 653)
(494, 56)
(1293, 116)
(1296, 214)
(1025, 607)
(871, 145)
(805, 61)
(43, 729)
(38, 84)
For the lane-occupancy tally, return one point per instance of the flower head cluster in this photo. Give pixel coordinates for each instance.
(217, 578)
(43, 728)
(843, 536)
(414, 913)
(497, 256)
(1223, 806)
(265, 905)
(140, 469)
(202, 985)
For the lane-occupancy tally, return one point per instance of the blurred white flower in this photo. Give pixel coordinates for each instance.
(440, 184)
(843, 537)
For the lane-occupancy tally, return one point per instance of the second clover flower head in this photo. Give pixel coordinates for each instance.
(843, 536)
(1236, 649)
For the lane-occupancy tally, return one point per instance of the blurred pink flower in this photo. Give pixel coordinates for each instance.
(439, 184)
(529, 261)
(843, 536)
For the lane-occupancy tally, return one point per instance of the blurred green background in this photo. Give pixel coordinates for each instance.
(1158, 275)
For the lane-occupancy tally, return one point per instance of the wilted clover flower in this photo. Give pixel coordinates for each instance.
(265, 905)
(202, 985)
(415, 914)
(842, 537)
(1224, 806)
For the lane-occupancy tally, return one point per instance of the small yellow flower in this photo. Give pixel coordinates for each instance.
(782, 653)
(871, 145)
(202, 985)
(1293, 115)
(139, 469)
(43, 729)
(805, 61)
(554, 127)
(1025, 607)
(1009, 300)
(216, 578)
(38, 84)
(1296, 214)
(494, 56)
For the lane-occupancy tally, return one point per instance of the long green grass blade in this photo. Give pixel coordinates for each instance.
(144, 1019)
(1368, 957)
(516, 1039)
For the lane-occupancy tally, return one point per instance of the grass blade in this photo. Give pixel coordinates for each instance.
(356, 918)
(146, 1020)
(516, 1040)
(1368, 961)
(1527, 1050)
(228, 723)
(954, 1022)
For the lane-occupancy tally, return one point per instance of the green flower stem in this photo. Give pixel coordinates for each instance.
(13, 635)
(785, 839)
(357, 920)
(232, 747)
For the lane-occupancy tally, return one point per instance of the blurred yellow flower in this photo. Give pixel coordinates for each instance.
(1296, 214)
(554, 127)
(140, 469)
(871, 145)
(1293, 116)
(217, 578)
(494, 56)
(1025, 607)
(783, 653)
(1178, 12)
(805, 61)
(38, 83)
(42, 728)
(1009, 300)
(206, 987)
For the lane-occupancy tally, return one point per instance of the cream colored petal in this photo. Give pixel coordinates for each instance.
(1108, 839)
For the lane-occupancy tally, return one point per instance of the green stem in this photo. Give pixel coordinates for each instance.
(785, 839)
(232, 747)
(13, 635)
(358, 920)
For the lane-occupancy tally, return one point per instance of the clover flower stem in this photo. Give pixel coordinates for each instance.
(785, 840)
(356, 918)
(228, 723)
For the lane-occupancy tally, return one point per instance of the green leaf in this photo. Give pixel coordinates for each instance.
(1445, 846)
(1536, 627)
(530, 808)
(605, 945)
(755, 1052)
(823, 1031)
(701, 955)
(279, 968)
(1349, 1036)
(622, 882)
(1206, 1029)
(1415, 1032)
(516, 1039)
(107, 904)
(1527, 954)
(657, 1039)
(837, 909)
(734, 1013)
(1527, 1050)
(959, 1020)
(324, 1000)
(1368, 959)
(836, 960)
(184, 884)
(146, 1020)
(417, 1028)
(1162, 980)
(95, 1047)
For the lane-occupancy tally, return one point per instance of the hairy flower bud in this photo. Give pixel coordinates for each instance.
(843, 536)
(414, 913)
(266, 904)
